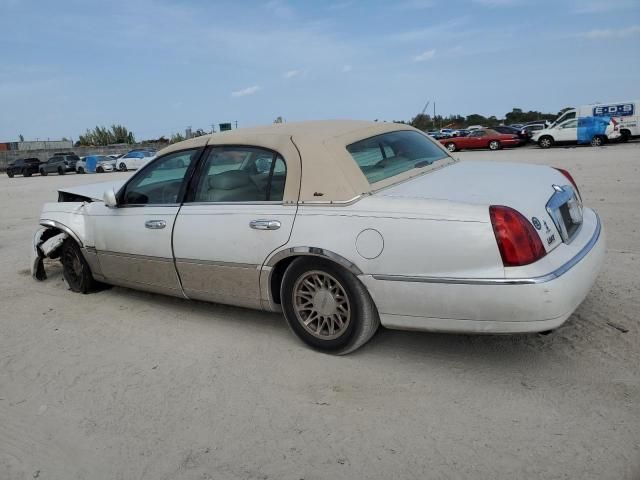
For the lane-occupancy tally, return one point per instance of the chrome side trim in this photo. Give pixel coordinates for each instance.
(214, 204)
(64, 228)
(314, 252)
(135, 256)
(341, 203)
(216, 263)
(504, 281)
(152, 205)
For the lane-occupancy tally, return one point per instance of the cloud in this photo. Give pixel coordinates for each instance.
(452, 27)
(346, 68)
(245, 91)
(280, 9)
(497, 3)
(599, 6)
(610, 33)
(415, 4)
(340, 5)
(291, 74)
(424, 56)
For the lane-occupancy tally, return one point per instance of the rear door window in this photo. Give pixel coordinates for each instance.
(241, 174)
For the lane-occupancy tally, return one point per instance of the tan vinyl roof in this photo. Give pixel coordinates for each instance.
(327, 171)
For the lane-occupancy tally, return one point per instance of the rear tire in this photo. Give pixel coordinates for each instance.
(625, 135)
(43, 173)
(597, 141)
(75, 269)
(545, 142)
(60, 171)
(451, 147)
(10, 173)
(327, 307)
(80, 170)
(494, 145)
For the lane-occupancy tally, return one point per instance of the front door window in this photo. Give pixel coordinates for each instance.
(161, 182)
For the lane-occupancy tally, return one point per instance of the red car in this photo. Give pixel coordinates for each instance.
(485, 138)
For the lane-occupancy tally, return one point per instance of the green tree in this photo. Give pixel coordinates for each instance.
(100, 136)
(177, 137)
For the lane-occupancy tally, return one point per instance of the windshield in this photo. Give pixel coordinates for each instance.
(393, 153)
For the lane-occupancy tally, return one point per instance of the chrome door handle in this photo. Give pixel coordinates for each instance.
(265, 224)
(155, 224)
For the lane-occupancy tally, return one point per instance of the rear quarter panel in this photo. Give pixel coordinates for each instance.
(420, 237)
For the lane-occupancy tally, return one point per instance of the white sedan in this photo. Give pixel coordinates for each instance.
(135, 159)
(340, 225)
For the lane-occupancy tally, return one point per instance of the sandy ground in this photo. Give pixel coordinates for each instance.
(127, 385)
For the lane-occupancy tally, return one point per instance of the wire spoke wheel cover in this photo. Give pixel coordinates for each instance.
(321, 305)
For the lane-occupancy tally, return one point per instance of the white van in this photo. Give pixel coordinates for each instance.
(625, 114)
(581, 130)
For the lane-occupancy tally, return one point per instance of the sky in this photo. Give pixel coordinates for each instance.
(158, 66)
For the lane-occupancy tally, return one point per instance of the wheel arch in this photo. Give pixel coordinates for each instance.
(61, 227)
(278, 263)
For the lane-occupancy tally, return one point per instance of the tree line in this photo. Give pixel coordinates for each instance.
(516, 115)
(100, 136)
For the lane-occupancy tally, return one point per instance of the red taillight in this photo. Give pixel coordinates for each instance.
(518, 242)
(570, 178)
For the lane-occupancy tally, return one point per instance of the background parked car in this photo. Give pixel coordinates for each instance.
(534, 127)
(59, 164)
(438, 135)
(135, 159)
(461, 132)
(23, 166)
(485, 138)
(106, 164)
(103, 163)
(522, 133)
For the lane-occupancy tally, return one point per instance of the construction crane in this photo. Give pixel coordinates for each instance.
(426, 105)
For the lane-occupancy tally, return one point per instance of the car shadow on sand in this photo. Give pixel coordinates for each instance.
(489, 350)
(486, 350)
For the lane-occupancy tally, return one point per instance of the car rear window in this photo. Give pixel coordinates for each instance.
(393, 153)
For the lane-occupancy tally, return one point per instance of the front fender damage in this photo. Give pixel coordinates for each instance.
(46, 244)
(58, 222)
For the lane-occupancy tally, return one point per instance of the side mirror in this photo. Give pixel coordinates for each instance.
(109, 198)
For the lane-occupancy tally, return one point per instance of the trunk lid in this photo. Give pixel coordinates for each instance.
(526, 188)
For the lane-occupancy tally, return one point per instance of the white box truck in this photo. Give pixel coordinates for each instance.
(595, 124)
(625, 114)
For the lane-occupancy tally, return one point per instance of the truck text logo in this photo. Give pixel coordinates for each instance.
(620, 110)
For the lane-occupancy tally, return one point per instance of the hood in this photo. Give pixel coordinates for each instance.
(526, 188)
(93, 191)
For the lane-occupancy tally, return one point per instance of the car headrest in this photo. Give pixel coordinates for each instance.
(229, 180)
